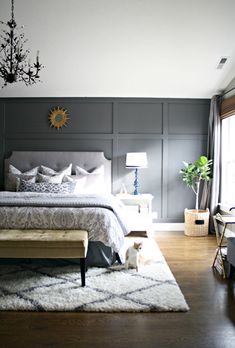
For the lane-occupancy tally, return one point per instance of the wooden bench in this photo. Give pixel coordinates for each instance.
(45, 244)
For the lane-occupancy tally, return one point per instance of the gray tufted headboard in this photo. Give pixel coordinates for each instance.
(25, 160)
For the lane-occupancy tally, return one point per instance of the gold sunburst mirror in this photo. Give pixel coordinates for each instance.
(58, 118)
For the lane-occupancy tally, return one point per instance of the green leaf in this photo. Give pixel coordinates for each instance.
(203, 160)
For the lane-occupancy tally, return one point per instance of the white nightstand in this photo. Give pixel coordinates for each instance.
(139, 209)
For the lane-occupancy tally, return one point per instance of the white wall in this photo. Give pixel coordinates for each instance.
(139, 48)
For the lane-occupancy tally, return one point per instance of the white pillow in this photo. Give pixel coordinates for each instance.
(79, 181)
(81, 171)
(94, 180)
(14, 174)
(49, 171)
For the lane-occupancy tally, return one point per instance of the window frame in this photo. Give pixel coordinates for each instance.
(227, 160)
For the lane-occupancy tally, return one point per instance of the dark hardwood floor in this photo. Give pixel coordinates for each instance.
(209, 323)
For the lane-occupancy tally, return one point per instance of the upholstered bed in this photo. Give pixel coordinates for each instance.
(91, 208)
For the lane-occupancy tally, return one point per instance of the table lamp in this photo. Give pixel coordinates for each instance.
(136, 160)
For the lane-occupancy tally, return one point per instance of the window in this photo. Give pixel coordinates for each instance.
(228, 161)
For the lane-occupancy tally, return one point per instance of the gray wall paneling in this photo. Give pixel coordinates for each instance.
(169, 130)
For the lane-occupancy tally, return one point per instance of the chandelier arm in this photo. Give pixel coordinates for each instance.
(23, 79)
(12, 10)
(1, 72)
(23, 76)
(16, 66)
(11, 61)
(5, 60)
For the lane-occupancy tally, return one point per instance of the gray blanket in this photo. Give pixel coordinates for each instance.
(103, 217)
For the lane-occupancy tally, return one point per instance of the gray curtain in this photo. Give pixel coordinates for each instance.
(211, 190)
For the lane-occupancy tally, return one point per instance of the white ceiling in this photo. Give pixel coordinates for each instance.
(127, 48)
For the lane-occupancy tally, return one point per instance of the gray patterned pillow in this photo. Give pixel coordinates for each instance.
(44, 187)
(15, 174)
(53, 179)
(14, 170)
(28, 178)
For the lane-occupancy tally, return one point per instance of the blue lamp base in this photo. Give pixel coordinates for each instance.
(136, 183)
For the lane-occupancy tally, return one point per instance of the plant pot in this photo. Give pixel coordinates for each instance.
(196, 222)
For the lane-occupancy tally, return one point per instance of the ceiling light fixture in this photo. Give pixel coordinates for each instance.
(15, 65)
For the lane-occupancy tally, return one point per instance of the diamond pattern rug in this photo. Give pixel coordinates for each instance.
(55, 285)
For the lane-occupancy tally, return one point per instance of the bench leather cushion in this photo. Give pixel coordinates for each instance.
(43, 243)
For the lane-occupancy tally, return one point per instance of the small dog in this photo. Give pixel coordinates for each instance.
(133, 256)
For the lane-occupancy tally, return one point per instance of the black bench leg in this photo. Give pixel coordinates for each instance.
(118, 259)
(83, 270)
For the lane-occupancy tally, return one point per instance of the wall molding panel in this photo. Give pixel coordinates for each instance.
(169, 130)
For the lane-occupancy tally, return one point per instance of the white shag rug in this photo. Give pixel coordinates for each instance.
(49, 285)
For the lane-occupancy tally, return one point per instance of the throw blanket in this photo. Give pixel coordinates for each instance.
(103, 217)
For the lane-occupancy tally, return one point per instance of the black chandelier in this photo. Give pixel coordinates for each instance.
(14, 62)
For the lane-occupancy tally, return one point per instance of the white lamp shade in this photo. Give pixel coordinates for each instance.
(136, 160)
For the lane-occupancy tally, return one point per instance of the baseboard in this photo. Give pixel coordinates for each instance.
(167, 226)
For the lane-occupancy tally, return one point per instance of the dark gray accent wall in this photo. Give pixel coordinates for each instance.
(169, 130)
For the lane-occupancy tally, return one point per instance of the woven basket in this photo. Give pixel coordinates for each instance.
(196, 222)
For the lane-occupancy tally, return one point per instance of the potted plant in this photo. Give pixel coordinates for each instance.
(193, 174)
